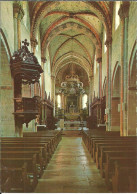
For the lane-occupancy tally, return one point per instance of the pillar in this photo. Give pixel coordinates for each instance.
(80, 102)
(123, 13)
(34, 43)
(91, 85)
(62, 101)
(53, 92)
(43, 61)
(18, 14)
(108, 85)
(99, 60)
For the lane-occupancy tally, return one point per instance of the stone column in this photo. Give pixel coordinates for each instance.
(123, 13)
(108, 85)
(99, 60)
(80, 102)
(18, 14)
(65, 103)
(43, 61)
(34, 43)
(62, 101)
(53, 92)
(91, 85)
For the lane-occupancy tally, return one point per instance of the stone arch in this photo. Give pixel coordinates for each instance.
(5, 42)
(76, 57)
(70, 25)
(7, 90)
(64, 18)
(66, 63)
(101, 10)
(64, 43)
(116, 80)
(115, 98)
(132, 92)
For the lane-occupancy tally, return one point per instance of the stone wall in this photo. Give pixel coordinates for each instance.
(7, 124)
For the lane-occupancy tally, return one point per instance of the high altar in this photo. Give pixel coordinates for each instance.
(71, 93)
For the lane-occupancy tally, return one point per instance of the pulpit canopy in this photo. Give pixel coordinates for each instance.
(25, 66)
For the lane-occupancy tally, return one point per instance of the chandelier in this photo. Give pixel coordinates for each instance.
(72, 85)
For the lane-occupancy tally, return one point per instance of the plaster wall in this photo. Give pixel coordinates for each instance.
(7, 124)
(6, 22)
(132, 27)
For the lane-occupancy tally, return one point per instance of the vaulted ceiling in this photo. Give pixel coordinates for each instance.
(72, 31)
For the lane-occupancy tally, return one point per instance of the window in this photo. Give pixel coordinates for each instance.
(105, 47)
(25, 18)
(37, 46)
(84, 101)
(95, 63)
(59, 101)
(117, 18)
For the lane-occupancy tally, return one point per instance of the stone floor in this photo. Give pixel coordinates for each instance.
(71, 170)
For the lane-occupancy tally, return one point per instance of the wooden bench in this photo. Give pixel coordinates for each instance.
(35, 150)
(124, 177)
(15, 179)
(119, 141)
(110, 161)
(29, 144)
(110, 147)
(49, 141)
(18, 162)
(26, 154)
(40, 149)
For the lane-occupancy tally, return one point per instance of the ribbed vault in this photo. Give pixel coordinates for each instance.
(71, 31)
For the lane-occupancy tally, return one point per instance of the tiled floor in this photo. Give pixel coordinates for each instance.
(71, 170)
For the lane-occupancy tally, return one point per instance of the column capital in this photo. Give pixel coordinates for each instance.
(43, 59)
(52, 77)
(108, 41)
(18, 11)
(90, 78)
(34, 42)
(124, 10)
(99, 59)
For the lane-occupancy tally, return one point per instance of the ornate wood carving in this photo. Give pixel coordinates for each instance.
(25, 66)
(27, 109)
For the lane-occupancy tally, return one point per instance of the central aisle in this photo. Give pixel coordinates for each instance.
(71, 170)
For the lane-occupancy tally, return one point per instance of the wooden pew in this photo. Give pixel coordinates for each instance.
(34, 149)
(49, 133)
(124, 177)
(28, 144)
(110, 160)
(26, 154)
(40, 149)
(100, 157)
(17, 179)
(133, 182)
(119, 141)
(27, 140)
(18, 162)
(5, 180)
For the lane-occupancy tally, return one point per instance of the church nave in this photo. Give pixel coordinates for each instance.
(71, 170)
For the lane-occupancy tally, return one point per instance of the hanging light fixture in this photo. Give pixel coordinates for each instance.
(72, 85)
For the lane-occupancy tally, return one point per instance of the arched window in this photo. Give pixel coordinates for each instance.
(117, 18)
(95, 65)
(26, 14)
(105, 47)
(59, 101)
(47, 73)
(84, 101)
